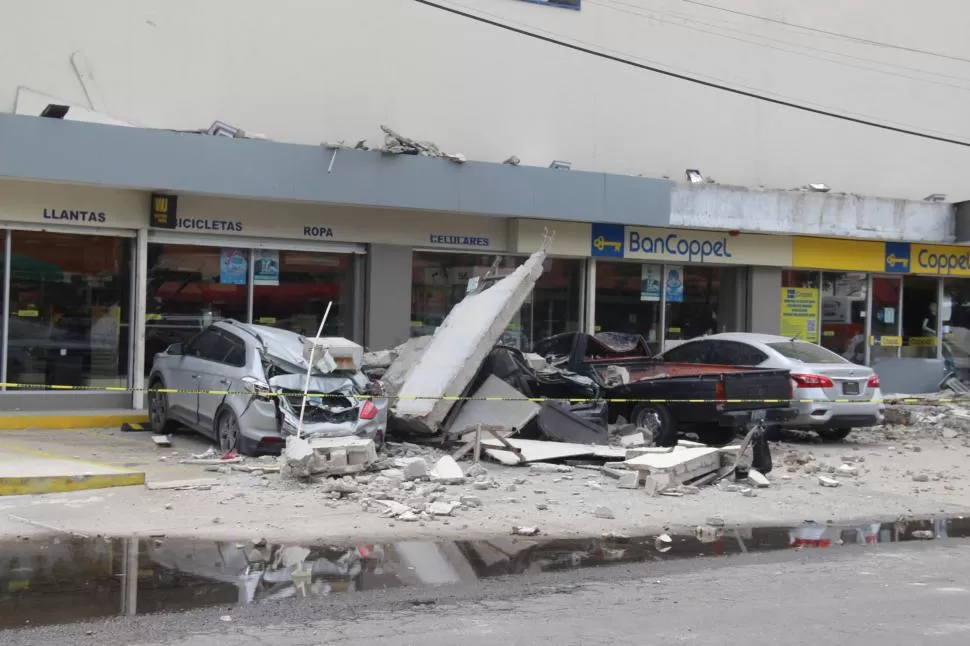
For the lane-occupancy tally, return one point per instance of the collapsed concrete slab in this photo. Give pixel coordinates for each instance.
(459, 346)
(680, 465)
(327, 456)
(513, 412)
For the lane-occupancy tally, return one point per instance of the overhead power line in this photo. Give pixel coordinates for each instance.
(690, 79)
(690, 22)
(874, 43)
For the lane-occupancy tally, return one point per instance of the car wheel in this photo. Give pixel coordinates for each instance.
(834, 434)
(227, 432)
(657, 421)
(158, 408)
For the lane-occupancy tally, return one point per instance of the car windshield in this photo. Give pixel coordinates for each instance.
(805, 352)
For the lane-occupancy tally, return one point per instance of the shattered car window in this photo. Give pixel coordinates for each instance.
(618, 341)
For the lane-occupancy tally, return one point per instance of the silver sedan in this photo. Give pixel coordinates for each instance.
(832, 395)
(243, 385)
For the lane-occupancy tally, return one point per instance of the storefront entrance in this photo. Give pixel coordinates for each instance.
(668, 303)
(190, 286)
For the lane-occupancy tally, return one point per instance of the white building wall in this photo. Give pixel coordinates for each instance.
(315, 70)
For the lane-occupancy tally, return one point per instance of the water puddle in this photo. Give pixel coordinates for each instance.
(65, 579)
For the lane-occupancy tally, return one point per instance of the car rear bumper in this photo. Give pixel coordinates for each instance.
(824, 414)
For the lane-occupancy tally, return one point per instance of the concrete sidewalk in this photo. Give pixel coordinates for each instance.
(31, 472)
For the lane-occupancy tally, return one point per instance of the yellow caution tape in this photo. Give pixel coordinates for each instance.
(908, 401)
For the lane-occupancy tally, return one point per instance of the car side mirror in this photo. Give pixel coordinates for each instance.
(176, 349)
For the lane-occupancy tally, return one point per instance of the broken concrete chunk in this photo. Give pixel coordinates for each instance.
(447, 471)
(525, 531)
(826, 481)
(921, 477)
(543, 467)
(476, 470)
(471, 501)
(847, 470)
(460, 345)
(393, 507)
(758, 479)
(634, 440)
(442, 508)
(923, 534)
(630, 480)
(948, 434)
(663, 543)
(415, 469)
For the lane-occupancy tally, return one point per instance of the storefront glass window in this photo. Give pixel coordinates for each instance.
(439, 281)
(69, 309)
(886, 319)
(694, 300)
(189, 287)
(920, 317)
(291, 290)
(955, 319)
(844, 314)
(628, 299)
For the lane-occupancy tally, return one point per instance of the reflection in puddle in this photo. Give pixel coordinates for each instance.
(63, 580)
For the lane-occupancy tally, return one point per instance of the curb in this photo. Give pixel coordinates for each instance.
(21, 486)
(69, 421)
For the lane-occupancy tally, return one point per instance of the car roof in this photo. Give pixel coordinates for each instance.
(749, 337)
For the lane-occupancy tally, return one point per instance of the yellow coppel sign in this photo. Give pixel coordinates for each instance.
(943, 260)
(831, 253)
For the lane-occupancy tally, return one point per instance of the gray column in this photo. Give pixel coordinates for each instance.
(388, 296)
(138, 319)
(764, 300)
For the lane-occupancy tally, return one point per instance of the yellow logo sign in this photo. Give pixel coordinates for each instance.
(601, 243)
(892, 261)
(161, 205)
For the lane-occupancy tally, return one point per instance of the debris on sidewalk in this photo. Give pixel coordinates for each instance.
(162, 441)
(303, 458)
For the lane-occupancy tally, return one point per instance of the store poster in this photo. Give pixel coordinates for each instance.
(799, 313)
(233, 268)
(650, 282)
(675, 284)
(266, 270)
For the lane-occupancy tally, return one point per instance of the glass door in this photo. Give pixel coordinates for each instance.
(885, 336)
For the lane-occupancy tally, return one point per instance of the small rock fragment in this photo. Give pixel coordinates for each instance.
(408, 517)
(603, 512)
(525, 531)
(471, 501)
(923, 534)
(225, 618)
(715, 521)
(847, 470)
(442, 508)
(447, 471)
(921, 477)
(949, 434)
(476, 470)
(663, 543)
(826, 481)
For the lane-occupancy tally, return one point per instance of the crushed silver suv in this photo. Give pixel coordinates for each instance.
(258, 373)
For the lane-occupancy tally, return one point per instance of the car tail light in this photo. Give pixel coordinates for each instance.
(271, 439)
(369, 411)
(719, 391)
(873, 382)
(811, 381)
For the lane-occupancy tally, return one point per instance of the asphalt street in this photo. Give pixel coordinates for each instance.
(910, 594)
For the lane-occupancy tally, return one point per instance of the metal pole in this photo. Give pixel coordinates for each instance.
(6, 305)
(309, 369)
(140, 319)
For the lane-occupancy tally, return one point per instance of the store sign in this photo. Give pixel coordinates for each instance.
(459, 241)
(606, 240)
(688, 246)
(206, 224)
(946, 261)
(318, 232)
(75, 215)
(163, 211)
